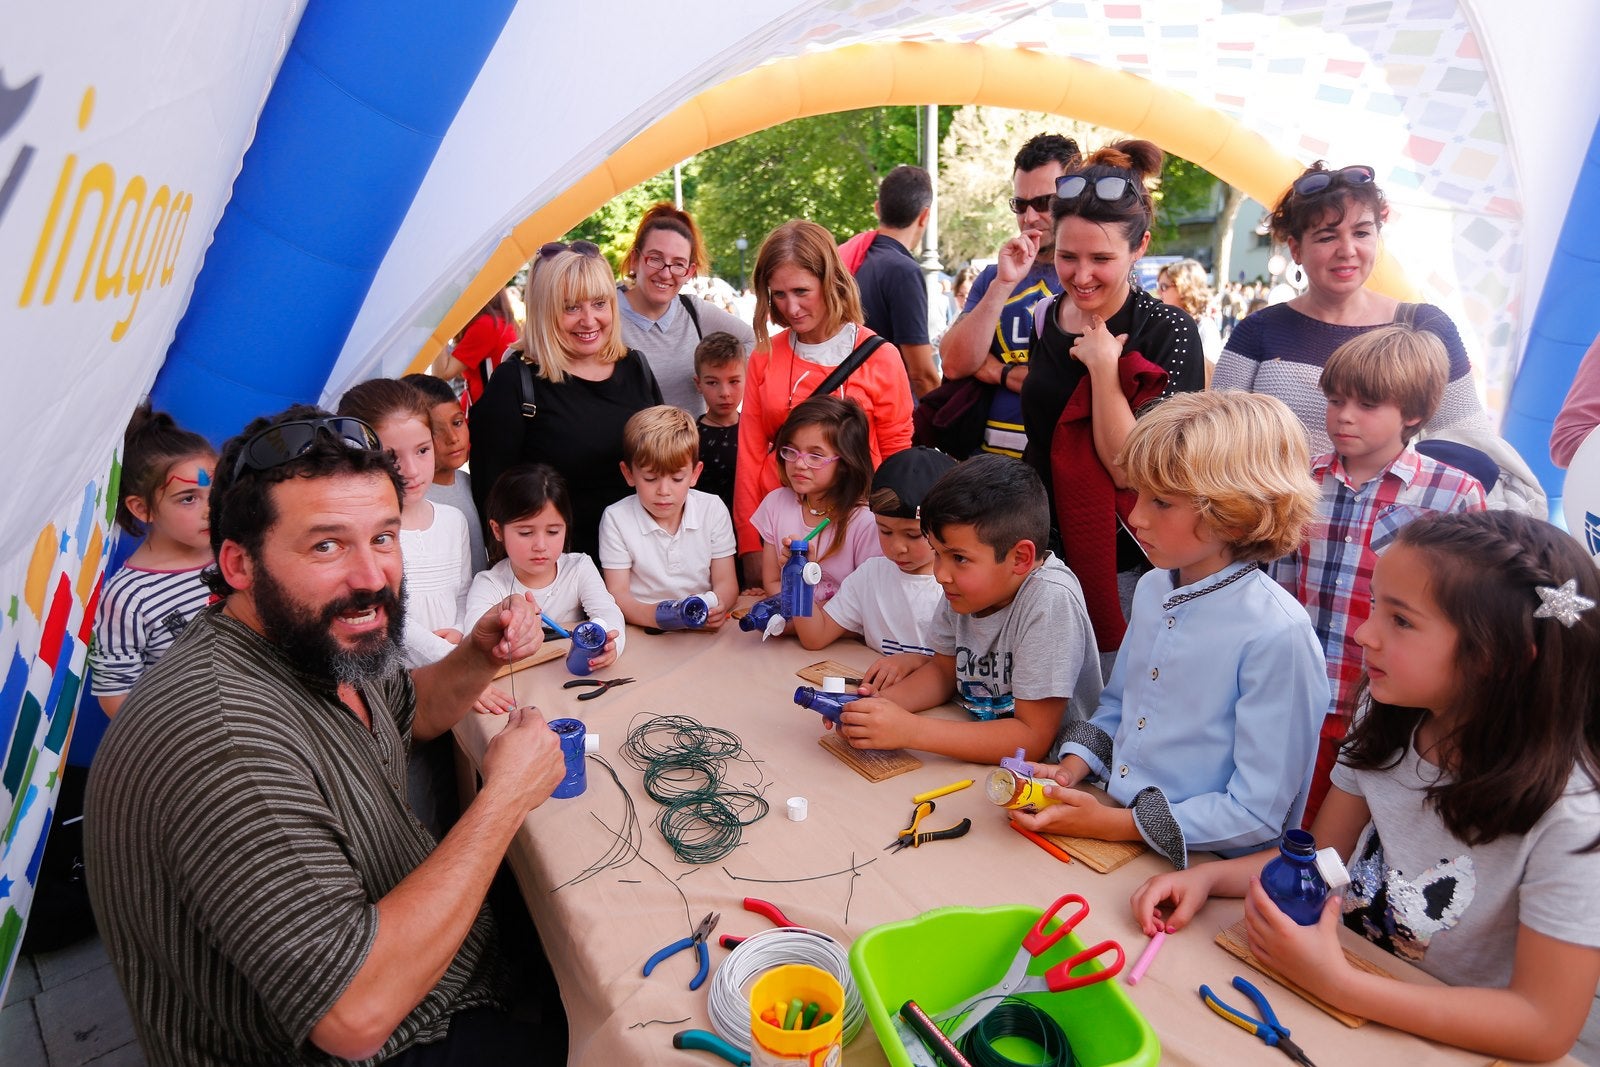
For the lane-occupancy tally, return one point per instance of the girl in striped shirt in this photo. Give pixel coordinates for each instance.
(166, 499)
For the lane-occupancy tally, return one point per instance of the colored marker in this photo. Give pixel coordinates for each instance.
(1145, 957)
(792, 1015)
(556, 626)
(944, 790)
(812, 536)
(1044, 843)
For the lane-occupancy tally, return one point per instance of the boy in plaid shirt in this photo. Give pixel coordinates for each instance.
(1382, 386)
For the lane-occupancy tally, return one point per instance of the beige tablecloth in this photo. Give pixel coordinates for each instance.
(598, 934)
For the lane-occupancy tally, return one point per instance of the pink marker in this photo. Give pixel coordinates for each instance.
(1146, 957)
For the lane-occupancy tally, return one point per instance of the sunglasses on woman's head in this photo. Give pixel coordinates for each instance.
(288, 441)
(1320, 180)
(1110, 188)
(555, 248)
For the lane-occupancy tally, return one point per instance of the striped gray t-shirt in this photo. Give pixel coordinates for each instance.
(240, 827)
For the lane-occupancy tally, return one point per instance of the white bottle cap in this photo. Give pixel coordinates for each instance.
(832, 684)
(710, 598)
(797, 809)
(775, 626)
(591, 742)
(1332, 869)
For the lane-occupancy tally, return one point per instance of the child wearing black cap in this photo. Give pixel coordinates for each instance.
(889, 600)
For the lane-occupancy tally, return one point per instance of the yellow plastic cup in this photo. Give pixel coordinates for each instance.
(774, 1046)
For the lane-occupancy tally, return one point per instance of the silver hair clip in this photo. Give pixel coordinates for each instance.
(1564, 604)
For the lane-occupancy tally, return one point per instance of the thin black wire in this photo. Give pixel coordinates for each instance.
(852, 869)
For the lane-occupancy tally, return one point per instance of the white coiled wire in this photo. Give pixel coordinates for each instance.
(729, 999)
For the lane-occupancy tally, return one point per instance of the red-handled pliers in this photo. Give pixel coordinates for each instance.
(760, 907)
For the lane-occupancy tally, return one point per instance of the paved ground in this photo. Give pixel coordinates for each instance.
(65, 1009)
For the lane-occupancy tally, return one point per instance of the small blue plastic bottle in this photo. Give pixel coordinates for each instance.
(588, 638)
(690, 613)
(1293, 881)
(571, 732)
(761, 612)
(797, 598)
(829, 705)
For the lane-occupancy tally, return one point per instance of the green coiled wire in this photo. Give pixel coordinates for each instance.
(682, 762)
(1013, 1018)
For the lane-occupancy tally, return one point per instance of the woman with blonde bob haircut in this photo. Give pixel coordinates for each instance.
(566, 398)
(1208, 726)
(802, 286)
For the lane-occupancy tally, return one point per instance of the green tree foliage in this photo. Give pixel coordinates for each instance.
(612, 226)
(825, 168)
(1186, 191)
(975, 162)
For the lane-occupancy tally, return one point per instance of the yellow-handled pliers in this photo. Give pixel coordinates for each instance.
(910, 837)
(1267, 1028)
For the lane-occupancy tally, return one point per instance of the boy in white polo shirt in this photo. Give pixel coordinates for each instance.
(668, 540)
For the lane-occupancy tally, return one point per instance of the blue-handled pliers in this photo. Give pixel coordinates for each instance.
(1267, 1028)
(698, 940)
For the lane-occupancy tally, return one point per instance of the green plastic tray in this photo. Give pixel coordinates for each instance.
(943, 956)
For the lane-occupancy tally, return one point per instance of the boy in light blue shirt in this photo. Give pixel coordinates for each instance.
(1206, 733)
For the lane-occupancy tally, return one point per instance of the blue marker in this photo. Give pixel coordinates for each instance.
(560, 630)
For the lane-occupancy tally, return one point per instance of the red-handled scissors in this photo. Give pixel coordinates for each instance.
(1056, 979)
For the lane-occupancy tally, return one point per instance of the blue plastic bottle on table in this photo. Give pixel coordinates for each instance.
(1293, 881)
(588, 638)
(760, 614)
(690, 613)
(829, 705)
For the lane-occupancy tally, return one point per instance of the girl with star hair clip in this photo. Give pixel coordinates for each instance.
(1465, 802)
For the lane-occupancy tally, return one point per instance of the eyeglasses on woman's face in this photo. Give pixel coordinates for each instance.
(790, 454)
(655, 262)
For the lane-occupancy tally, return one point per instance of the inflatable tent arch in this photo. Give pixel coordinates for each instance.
(900, 73)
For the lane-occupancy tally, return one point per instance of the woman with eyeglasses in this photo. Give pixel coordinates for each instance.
(564, 398)
(1331, 220)
(802, 286)
(661, 320)
(1102, 349)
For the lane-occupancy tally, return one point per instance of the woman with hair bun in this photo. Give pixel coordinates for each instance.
(1101, 350)
(658, 318)
(1331, 221)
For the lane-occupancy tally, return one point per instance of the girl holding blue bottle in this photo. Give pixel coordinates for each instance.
(1465, 803)
(530, 514)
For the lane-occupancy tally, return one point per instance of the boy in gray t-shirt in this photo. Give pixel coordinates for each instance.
(1012, 641)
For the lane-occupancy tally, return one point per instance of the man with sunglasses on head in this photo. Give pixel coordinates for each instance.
(265, 893)
(990, 339)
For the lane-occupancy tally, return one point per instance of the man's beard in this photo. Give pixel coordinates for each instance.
(304, 634)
